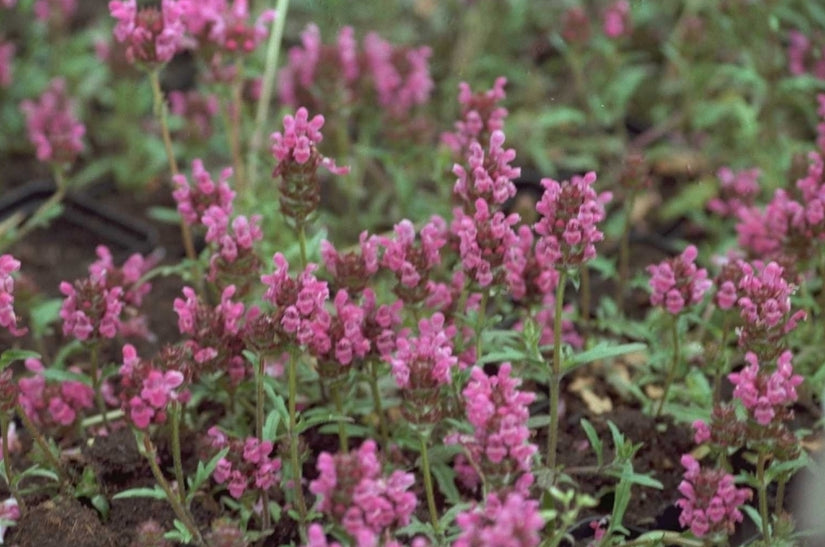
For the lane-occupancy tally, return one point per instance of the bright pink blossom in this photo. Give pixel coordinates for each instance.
(677, 283)
(570, 212)
(52, 125)
(710, 501)
(507, 519)
(412, 258)
(354, 493)
(8, 317)
(499, 446)
(481, 115)
(738, 189)
(152, 36)
(398, 92)
(225, 24)
(762, 393)
(617, 19)
(7, 50)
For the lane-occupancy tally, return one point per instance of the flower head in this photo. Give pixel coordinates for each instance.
(152, 36)
(677, 282)
(52, 125)
(710, 501)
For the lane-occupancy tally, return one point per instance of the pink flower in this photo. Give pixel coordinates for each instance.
(398, 92)
(738, 189)
(52, 125)
(513, 521)
(412, 259)
(570, 212)
(480, 116)
(60, 11)
(489, 178)
(9, 511)
(499, 446)
(225, 24)
(7, 50)
(8, 317)
(355, 494)
(677, 283)
(194, 200)
(152, 36)
(764, 394)
(352, 270)
(710, 501)
(617, 19)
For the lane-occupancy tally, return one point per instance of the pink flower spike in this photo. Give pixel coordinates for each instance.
(677, 282)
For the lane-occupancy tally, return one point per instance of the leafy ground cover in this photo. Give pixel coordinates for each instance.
(461, 273)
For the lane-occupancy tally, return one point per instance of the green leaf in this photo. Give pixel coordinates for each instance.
(270, 429)
(203, 472)
(604, 351)
(44, 314)
(57, 375)
(560, 116)
(154, 493)
(537, 422)
(595, 441)
(445, 477)
(166, 215)
(11, 355)
(100, 503)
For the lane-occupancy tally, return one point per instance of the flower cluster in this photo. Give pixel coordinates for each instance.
(216, 333)
(738, 189)
(499, 446)
(765, 308)
(152, 37)
(297, 156)
(7, 50)
(480, 117)
(617, 19)
(53, 128)
(319, 74)
(94, 305)
(401, 76)
(488, 245)
(52, 403)
(410, 262)
(792, 224)
(570, 211)
(8, 317)
(247, 465)
(711, 500)
(762, 394)
(10, 513)
(677, 282)
(802, 58)
(57, 12)
(225, 24)
(352, 270)
(421, 365)
(513, 521)
(488, 177)
(344, 339)
(353, 492)
(194, 199)
(148, 387)
(301, 316)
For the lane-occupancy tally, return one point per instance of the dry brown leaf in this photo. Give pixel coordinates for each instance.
(654, 391)
(597, 405)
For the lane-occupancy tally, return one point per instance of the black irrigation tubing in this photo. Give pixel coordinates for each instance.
(109, 225)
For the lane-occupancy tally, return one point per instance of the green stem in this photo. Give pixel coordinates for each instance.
(379, 410)
(160, 112)
(663, 538)
(343, 440)
(763, 496)
(779, 506)
(302, 243)
(584, 302)
(428, 482)
(273, 49)
(37, 217)
(259, 431)
(44, 446)
(4, 425)
(235, 119)
(180, 511)
(174, 422)
(721, 364)
(293, 439)
(101, 404)
(673, 366)
(624, 251)
(480, 317)
(555, 376)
